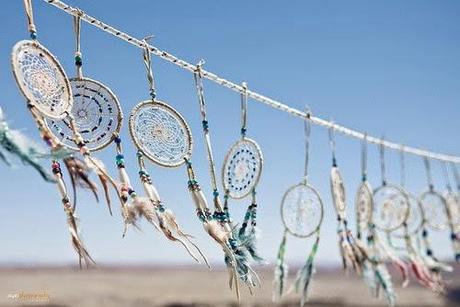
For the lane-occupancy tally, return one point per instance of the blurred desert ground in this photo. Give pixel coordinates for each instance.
(193, 286)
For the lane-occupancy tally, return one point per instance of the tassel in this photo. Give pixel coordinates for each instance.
(17, 144)
(281, 271)
(79, 176)
(305, 274)
(370, 278)
(384, 281)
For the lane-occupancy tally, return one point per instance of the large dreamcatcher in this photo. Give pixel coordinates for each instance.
(302, 215)
(241, 172)
(44, 84)
(161, 134)
(352, 254)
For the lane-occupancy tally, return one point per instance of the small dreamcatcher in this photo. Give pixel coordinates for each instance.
(218, 223)
(161, 134)
(352, 254)
(44, 84)
(391, 205)
(363, 200)
(241, 172)
(374, 270)
(302, 215)
(433, 203)
(452, 212)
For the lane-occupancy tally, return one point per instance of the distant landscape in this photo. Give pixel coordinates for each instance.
(190, 286)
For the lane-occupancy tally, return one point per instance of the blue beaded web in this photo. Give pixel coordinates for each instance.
(97, 115)
(242, 168)
(41, 79)
(161, 133)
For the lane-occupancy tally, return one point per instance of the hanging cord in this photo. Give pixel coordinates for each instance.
(237, 88)
(30, 19)
(332, 143)
(244, 109)
(78, 55)
(212, 167)
(382, 163)
(364, 159)
(148, 66)
(445, 172)
(402, 163)
(456, 175)
(429, 177)
(307, 132)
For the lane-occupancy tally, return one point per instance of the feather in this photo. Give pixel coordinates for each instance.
(76, 241)
(79, 176)
(370, 278)
(98, 167)
(304, 275)
(281, 271)
(384, 281)
(17, 144)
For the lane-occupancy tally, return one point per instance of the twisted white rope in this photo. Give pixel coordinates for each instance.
(251, 94)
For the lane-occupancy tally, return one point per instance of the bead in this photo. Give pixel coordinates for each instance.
(117, 140)
(33, 35)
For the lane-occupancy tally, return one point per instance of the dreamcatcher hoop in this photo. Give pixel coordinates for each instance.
(169, 141)
(97, 115)
(242, 168)
(431, 201)
(364, 204)
(297, 196)
(41, 79)
(415, 219)
(390, 207)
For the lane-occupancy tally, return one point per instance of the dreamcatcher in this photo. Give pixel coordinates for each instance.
(452, 212)
(94, 119)
(374, 271)
(46, 88)
(14, 142)
(241, 172)
(162, 135)
(302, 216)
(352, 254)
(218, 224)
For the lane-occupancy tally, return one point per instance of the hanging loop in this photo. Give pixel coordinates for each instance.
(199, 87)
(445, 173)
(456, 175)
(78, 54)
(307, 132)
(148, 66)
(364, 158)
(244, 108)
(382, 161)
(30, 19)
(428, 173)
(332, 143)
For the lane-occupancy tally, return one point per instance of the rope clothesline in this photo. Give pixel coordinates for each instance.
(252, 94)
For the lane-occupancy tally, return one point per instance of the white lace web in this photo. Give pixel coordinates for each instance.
(302, 210)
(414, 220)
(434, 208)
(242, 168)
(97, 115)
(363, 205)
(391, 207)
(338, 192)
(161, 133)
(41, 79)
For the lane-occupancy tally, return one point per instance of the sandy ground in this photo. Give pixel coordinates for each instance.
(185, 286)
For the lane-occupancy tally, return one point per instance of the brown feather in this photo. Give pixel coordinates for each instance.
(79, 176)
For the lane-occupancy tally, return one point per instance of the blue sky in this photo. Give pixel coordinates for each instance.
(384, 67)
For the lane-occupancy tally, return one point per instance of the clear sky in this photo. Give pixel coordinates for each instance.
(385, 67)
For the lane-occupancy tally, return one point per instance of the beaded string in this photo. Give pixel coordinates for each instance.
(219, 211)
(382, 163)
(446, 176)
(364, 159)
(30, 19)
(244, 107)
(456, 175)
(332, 143)
(429, 177)
(78, 54)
